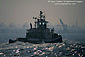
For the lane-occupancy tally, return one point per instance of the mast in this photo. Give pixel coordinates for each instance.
(35, 21)
(40, 22)
(41, 15)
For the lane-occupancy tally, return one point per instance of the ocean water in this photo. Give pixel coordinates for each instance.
(73, 45)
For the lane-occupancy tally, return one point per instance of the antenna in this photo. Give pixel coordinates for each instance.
(42, 16)
(35, 21)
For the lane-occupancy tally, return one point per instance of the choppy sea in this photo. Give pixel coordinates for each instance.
(73, 45)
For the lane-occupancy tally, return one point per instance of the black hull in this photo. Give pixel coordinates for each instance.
(37, 41)
(54, 41)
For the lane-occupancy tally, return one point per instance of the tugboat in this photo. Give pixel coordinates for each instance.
(40, 33)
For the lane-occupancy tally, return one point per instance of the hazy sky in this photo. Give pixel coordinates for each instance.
(22, 11)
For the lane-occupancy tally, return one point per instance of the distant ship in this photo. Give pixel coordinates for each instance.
(40, 33)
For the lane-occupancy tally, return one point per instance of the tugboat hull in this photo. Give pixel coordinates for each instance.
(54, 40)
(37, 41)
